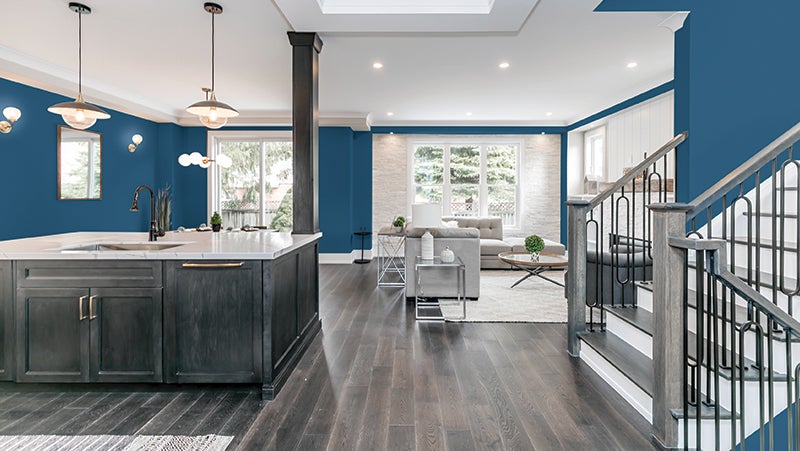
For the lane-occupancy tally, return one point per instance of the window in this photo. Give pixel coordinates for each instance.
(595, 153)
(257, 189)
(475, 179)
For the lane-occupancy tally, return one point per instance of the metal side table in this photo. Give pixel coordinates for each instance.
(391, 258)
(431, 309)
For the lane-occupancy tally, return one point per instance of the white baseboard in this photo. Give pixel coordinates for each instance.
(343, 258)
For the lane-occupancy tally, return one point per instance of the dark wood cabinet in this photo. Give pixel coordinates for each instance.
(80, 333)
(212, 321)
(6, 322)
(52, 335)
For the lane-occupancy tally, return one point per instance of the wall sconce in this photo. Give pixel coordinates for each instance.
(196, 158)
(12, 114)
(137, 139)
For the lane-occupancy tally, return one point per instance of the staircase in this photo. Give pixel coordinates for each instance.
(709, 350)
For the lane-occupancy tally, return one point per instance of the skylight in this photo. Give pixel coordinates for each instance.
(406, 6)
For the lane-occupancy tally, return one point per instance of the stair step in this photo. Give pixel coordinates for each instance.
(624, 357)
(765, 277)
(766, 243)
(769, 214)
(639, 318)
(706, 412)
(644, 284)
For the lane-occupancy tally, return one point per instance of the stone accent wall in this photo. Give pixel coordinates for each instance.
(540, 173)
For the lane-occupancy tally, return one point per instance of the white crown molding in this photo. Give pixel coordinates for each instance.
(675, 21)
(21, 68)
(469, 123)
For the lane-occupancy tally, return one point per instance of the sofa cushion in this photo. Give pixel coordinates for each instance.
(493, 247)
(441, 232)
(490, 227)
(550, 247)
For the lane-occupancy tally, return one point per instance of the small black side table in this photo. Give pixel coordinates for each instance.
(362, 234)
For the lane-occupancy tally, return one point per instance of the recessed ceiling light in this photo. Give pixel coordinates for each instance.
(377, 65)
(503, 65)
(469, 113)
(632, 64)
(548, 114)
(390, 113)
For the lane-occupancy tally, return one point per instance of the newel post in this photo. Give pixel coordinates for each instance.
(576, 276)
(668, 289)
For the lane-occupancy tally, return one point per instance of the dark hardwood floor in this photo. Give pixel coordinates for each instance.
(374, 379)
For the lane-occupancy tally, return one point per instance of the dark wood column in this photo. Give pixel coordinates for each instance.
(305, 130)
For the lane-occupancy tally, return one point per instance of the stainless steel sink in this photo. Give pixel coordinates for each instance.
(94, 247)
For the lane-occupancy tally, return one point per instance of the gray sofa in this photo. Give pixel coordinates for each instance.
(464, 242)
(492, 241)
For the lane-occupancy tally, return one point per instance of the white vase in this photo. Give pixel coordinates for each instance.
(447, 255)
(426, 243)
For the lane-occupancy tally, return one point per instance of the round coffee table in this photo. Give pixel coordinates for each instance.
(522, 260)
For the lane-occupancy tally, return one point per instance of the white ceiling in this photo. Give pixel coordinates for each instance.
(150, 58)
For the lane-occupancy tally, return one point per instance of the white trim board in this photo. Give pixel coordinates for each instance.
(330, 258)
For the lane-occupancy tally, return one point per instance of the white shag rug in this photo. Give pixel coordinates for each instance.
(115, 442)
(533, 301)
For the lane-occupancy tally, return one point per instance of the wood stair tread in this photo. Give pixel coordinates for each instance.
(635, 365)
(706, 412)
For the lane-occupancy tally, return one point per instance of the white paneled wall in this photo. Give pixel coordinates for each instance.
(636, 130)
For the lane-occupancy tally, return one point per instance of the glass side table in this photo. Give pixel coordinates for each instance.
(427, 310)
(391, 258)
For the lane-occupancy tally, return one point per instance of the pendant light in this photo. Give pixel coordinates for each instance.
(79, 114)
(212, 114)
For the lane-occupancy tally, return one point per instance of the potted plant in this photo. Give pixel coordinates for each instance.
(216, 222)
(534, 244)
(398, 223)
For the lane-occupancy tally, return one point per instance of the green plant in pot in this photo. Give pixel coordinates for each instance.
(534, 244)
(216, 222)
(398, 223)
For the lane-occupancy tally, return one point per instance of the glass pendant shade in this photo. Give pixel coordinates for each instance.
(79, 114)
(212, 114)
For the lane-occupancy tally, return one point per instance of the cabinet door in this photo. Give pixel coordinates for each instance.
(125, 334)
(6, 322)
(212, 321)
(52, 335)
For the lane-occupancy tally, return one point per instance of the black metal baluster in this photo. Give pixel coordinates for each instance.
(699, 351)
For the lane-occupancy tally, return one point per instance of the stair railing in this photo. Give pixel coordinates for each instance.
(763, 324)
(739, 275)
(613, 230)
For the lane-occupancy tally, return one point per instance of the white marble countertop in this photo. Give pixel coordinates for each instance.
(259, 245)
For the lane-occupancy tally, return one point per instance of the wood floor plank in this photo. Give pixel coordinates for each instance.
(375, 378)
(401, 438)
(347, 422)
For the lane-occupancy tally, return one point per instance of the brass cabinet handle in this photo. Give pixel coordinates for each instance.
(213, 265)
(91, 307)
(80, 308)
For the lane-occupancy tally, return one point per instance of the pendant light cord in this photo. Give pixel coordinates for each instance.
(80, 53)
(212, 51)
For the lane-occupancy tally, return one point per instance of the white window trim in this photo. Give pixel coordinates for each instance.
(213, 176)
(483, 186)
(587, 138)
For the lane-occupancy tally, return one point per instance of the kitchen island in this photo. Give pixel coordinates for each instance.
(193, 307)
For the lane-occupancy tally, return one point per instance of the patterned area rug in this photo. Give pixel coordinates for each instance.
(533, 301)
(115, 442)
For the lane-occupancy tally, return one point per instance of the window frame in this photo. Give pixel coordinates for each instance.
(483, 186)
(214, 178)
(588, 160)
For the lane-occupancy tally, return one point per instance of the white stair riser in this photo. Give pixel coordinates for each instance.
(783, 300)
(707, 439)
(779, 350)
(790, 228)
(644, 299)
(788, 267)
(631, 392)
(630, 334)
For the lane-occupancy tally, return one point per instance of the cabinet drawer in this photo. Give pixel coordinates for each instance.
(82, 273)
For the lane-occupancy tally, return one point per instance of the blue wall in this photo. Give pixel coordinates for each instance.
(29, 169)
